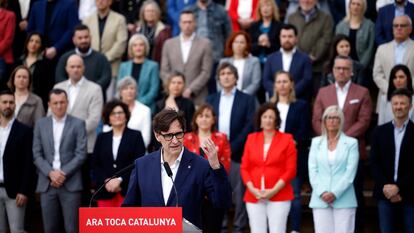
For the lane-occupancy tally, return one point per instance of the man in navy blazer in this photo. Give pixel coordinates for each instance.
(392, 161)
(56, 25)
(291, 60)
(386, 15)
(193, 176)
(234, 110)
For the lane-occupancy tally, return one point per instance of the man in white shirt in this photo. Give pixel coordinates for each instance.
(191, 55)
(85, 102)
(59, 150)
(16, 167)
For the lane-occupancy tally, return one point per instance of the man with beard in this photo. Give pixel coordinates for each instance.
(97, 67)
(386, 15)
(291, 60)
(392, 166)
(16, 167)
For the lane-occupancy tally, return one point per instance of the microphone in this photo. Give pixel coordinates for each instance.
(170, 174)
(120, 172)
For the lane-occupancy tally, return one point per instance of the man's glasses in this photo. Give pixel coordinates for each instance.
(400, 25)
(169, 136)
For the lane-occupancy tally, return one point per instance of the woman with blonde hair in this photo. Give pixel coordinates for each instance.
(265, 31)
(143, 70)
(295, 119)
(360, 30)
(333, 162)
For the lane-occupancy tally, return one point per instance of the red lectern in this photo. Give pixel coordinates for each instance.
(130, 219)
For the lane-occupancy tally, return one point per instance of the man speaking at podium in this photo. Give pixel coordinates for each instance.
(194, 177)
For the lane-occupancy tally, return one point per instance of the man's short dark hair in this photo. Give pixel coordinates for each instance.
(80, 27)
(231, 67)
(57, 91)
(163, 120)
(186, 12)
(404, 92)
(6, 92)
(290, 27)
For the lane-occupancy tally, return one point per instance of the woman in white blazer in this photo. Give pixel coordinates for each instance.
(333, 162)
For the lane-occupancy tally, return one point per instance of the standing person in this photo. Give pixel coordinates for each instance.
(333, 163)
(115, 150)
(289, 59)
(355, 102)
(174, 8)
(33, 58)
(8, 20)
(294, 119)
(109, 37)
(151, 26)
(398, 51)
(16, 183)
(235, 111)
(237, 52)
(97, 67)
(173, 99)
(29, 106)
(392, 166)
(142, 69)
(59, 150)
(55, 20)
(384, 24)
(194, 176)
(265, 31)
(400, 77)
(361, 32)
(191, 55)
(267, 168)
(242, 13)
(85, 102)
(203, 129)
(315, 29)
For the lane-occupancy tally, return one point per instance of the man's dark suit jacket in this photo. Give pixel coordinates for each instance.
(241, 120)
(382, 160)
(300, 69)
(18, 168)
(103, 163)
(383, 24)
(63, 20)
(194, 180)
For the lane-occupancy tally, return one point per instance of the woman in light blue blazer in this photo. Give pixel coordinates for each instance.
(333, 162)
(143, 70)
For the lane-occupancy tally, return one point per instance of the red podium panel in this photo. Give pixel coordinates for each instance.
(130, 219)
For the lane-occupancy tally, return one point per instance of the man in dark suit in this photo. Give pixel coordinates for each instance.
(55, 20)
(291, 60)
(59, 150)
(386, 15)
(193, 176)
(355, 102)
(392, 161)
(16, 167)
(235, 111)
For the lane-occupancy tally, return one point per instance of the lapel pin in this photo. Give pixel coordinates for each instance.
(189, 166)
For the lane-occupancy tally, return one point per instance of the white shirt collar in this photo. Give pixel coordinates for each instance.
(83, 54)
(178, 160)
(78, 84)
(345, 88)
(232, 92)
(288, 52)
(62, 120)
(191, 38)
(9, 124)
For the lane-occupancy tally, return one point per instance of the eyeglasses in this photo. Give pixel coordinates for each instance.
(333, 118)
(400, 25)
(169, 136)
(117, 113)
(339, 68)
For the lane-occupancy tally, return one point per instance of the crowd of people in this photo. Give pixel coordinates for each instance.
(274, 94)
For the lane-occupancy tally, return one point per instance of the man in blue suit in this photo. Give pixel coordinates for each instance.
(291, 60)
(193, 176)
(386, 15)
(174, 8)
(55, 20)
(235, 111)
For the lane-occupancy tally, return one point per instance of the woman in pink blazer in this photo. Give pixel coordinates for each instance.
(267, 168)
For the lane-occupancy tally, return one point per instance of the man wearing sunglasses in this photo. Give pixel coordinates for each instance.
(193, 176)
